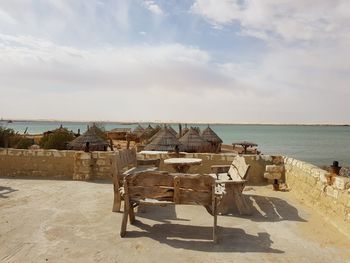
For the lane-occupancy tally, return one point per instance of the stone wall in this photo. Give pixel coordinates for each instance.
(55, 164)
(312, 185)
(36, 163)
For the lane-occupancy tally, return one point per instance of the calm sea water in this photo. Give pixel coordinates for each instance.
(320, 145)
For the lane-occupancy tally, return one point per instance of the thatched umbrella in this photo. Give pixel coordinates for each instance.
(164, 141)
(88, 140)
(193, 142)
(245, 145)
(210, 136)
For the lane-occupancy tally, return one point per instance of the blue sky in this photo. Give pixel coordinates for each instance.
(246, 61)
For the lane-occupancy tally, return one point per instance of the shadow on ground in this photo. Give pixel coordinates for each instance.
(199, 238)
(5, 191)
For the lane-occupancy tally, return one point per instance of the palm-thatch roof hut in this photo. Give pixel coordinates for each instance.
(171, 129)
(215, 141)
(138, 130)
(148, 133)
(164, 141)
(193, 142)
(88, 141)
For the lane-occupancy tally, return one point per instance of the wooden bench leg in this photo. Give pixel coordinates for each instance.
(215, 213)
(241, 202)
(125, 216)
(131, 214)
(117, 202)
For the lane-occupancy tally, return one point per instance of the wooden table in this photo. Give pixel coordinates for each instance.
(182, 165)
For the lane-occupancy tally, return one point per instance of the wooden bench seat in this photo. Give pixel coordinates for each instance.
(161, 188)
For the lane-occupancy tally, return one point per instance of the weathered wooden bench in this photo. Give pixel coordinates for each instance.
(161, 188)
(233, 177)
(124, 164)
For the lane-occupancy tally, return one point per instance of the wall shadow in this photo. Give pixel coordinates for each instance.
(199, 238)
(5, 191)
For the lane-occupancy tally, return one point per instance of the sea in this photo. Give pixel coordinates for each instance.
(316, 144)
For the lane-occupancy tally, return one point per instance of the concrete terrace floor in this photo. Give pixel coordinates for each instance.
(71, 221)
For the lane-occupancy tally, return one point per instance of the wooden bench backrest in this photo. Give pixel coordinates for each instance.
(125, 159)
(177, 188)
(239, 168)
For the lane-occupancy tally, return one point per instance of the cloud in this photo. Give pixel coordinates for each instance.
(91, 60)
(153, 7)
(288, 20)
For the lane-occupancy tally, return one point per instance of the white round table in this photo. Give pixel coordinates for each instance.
(182, 165)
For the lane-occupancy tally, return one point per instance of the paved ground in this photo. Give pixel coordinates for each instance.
(68, 221)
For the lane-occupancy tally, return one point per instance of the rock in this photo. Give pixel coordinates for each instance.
(274, 168)
(272, 176)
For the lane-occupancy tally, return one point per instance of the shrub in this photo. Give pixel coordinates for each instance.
(5, 136)
(58, 139)
(24, 143)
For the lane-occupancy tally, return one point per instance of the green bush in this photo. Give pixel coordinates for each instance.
(5, 136)
(24, 143)
(58, 139)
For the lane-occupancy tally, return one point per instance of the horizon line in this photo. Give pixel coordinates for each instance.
(176, 122)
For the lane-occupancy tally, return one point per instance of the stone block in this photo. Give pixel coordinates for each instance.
(274, 168)
(3, 151)
(101, 162)
(272, 176)
(321, 186)
(14, 152)
(312, 180)
(330, 191)
(278, 160)
(341, 182)
(84, 156)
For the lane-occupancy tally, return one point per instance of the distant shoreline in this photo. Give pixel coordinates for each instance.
(5, 121)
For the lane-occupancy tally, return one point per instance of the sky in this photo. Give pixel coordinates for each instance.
(229, 61)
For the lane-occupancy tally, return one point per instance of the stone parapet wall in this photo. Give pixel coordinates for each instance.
(312, 185)
(36, 163)
(77, 165)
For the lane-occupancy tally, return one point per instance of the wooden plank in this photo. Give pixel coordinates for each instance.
(126, 211)
(151, 179)
(154, 192)
(188, 196)
(215, 212)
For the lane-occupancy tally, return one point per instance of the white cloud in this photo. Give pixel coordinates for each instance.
(153, 7)
(286, 19)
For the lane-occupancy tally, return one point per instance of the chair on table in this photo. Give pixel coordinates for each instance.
(126, 159)
(162, 188)
(233, 177)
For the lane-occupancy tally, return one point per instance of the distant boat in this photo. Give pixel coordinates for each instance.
(9, 121)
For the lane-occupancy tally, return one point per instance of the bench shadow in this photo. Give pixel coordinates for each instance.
(199, 238)
(5, 191)
(271, 209)
(164, 214)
